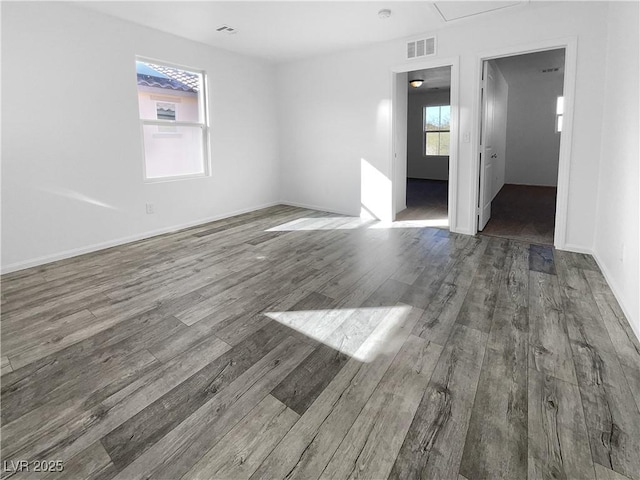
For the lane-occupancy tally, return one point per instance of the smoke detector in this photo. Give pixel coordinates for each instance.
(384, 13)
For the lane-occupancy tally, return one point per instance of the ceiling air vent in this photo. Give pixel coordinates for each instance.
(424, 47)
(226, 29)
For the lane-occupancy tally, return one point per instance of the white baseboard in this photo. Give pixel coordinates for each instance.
(610, 281)
(34, 262)
(634, 322)
(461, 227)
(569, 247)
(462, 231)
(318, 208)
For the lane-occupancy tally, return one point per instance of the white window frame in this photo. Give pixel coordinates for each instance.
(203, 113)
(425, 131)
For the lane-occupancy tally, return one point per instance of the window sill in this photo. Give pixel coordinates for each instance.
(176, 178)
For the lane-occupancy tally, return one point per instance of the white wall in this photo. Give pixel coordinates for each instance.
(71, 152)
(500, 114)
(617, 242)
(533, 146)
(344, 121)
(418, 165)
(325, 136)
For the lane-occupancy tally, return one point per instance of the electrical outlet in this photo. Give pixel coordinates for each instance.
(466, 137)
(151, 208)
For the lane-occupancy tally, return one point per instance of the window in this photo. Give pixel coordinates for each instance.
(559, 114)
(171, 101)
(436, 130)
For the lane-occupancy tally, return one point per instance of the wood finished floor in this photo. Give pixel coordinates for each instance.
(289, 343)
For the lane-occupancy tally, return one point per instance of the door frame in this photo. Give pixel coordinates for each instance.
(570, 46)
(454, 95)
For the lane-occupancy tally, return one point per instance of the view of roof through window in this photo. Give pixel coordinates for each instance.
(161, 76)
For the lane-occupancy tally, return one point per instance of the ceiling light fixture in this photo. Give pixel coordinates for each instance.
(416, 82)
(384, 13)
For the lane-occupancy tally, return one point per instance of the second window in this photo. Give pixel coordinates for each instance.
(437, 130)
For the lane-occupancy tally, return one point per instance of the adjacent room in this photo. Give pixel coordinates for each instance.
(311, 240)
(522, 126)
(428, 138)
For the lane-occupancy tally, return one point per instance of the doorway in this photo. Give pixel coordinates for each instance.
(424, 158)
(522, 113)
(428, 142)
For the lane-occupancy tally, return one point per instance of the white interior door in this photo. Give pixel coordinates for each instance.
(487, 150)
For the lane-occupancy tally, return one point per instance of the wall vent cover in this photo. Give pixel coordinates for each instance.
(425, 47)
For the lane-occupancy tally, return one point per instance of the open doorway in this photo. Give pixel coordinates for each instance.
(428, 146)
(521, 128)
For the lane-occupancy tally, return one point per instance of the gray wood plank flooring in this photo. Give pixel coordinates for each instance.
(290, 343)
(496, 441)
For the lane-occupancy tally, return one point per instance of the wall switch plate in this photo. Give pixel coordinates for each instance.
(151, 208)
(466, 137)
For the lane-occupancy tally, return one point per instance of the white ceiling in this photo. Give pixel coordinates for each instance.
(456, 10)
(286, 30)
(434, 79)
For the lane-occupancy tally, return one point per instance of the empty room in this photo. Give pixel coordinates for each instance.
(267, 240)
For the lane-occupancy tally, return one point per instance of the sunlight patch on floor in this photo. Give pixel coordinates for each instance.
(324, 223)
(337, 327)
(431, 222)
(352, 223)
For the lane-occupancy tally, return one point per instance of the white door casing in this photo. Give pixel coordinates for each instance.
(400, 106)
(487, 151)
